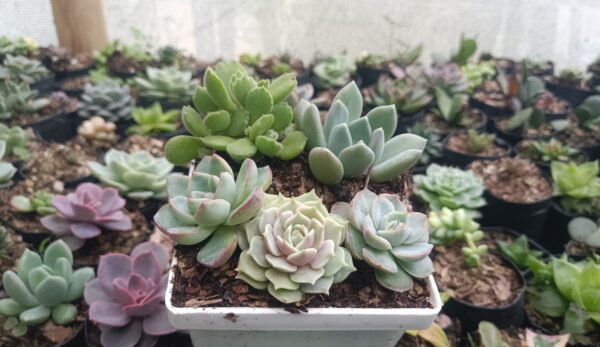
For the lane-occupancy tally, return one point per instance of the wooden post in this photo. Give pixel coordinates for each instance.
(80, 24)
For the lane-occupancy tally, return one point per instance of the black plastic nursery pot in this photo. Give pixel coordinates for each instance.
(527, 219)
(574, 96)
(592, 152)
(462, 160)
(512, 137)
(560, 115)
(511, 315)
(45, 86)
(62, 75)
(368, 75)
(60, 128)
(491, 111)
(556, 235)
(32, 237)
(407, 121)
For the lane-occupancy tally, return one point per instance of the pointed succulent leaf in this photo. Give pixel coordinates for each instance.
(312, 127)
(203, 102)
(217, 91)
(219, 248)
(351, 96)
(339, 138)
(258, 102)
(383, 117)
(182, 149)
(338, 114)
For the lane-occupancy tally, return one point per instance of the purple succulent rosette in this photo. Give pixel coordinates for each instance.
(85, 213)
(127, 298)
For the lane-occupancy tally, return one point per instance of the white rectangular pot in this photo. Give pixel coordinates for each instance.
(323, 327)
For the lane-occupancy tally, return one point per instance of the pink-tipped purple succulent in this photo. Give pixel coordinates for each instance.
(127, 298)
(85, 213)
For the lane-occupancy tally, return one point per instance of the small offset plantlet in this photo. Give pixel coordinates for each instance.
(17, 141)
(98, 129)
(434, 148)
(138, 176)
(370, 60)
(167, 84)
(211, 202)
(86, 213)
(549, 151)
(42, 289)
(449, 226)
(477, 73)
(407, 95)
(238, 115)
(128, 295)
(152, 120)
(585, 231)
(587, 114)
(350, 146)
(444, 186)
(479, 142)
(467, 47)
(518, 251)
(293, 248)
(392, 240)
(22, 69)
(578, 186)
(169, 55)
(409, 56)
(450, 107)
(333, 72)
(108, 100)
(39, 203)
(17, 98)
(250, 60)
(7, 170)
(281, 68)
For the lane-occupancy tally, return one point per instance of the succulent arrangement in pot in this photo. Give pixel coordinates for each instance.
(22, 69)
(17, 141)
(544, 152)
(571, 85)
(108, 100)
(18, 100)
(168, 86)
(12, 247)
(124, 61)
(461, 148)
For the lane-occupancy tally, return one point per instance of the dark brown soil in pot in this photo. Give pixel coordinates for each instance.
(545, 130)
(59, 103)
(551, 104)
(136, 143)
(491, 94)
(458, 143)
(265, 70)
(75, 86)
(474, 119)
(121, 65)
(580, 250)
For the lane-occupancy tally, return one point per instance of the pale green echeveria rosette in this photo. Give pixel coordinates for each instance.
(293, 247)
(392, 240)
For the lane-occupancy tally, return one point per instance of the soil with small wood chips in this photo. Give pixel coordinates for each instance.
(458, 143)
(113, 241)
(550, 103)
(119, 63)
(75, 83)
(491, 94)
(545, 130)
(514, 180)
(579, 137)
(473, 119)
(578, 249)
(136, 143)
(197, 286)
(14, 247)
(67, 62)
(495, 283)
(59, 103)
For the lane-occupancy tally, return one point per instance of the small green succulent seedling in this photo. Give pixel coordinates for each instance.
(39, 202)
(407, 95)
(409, 55)
(587, 114)
(167, 84)
(19, 68)
(238, 115)
(578, 186)
(211, 203)
(518, 251)
(479, 142)
(152, 120)
(350, 146)
(250, 60)
(549, 151)
(17, 141)
(572, 77)
(434, 148)
(467, 47)
(169, 55)
(451, 108)
(43, 288)
(477, 73)
(17, 46)
(370, 60)
(528, 118)
(449, 226)
(392, 240)
(138, 176)
(450, 187)
(7, 170)
(16, 98)
(107, 99)
(333, 72)
(585, 231)
(281, 68)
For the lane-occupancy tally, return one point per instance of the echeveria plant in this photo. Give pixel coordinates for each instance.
(86, 213)
(17, 141)
(39, 202)
(19, 69)
(333, 72)
(107, 99)
(17, 98)
(293, 247)
(127, 298)
(444, 186)
(241, 116)
(392, 240)
(138, 176)
(7, 170)
(348, 145)
(577, 186)
(153, 120)
(43, 288)
(211, 202)
(167, 84)
(585, 231)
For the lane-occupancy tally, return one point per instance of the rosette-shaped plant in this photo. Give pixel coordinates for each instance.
(168, 84)
(153, 120)
(42, 289)
(392, 240)
(40, 203)
(17, 140)
(239, 115)
(211, 203)
(22, 69)
(333, 72)
(97, 129)
(85, 213)
(578, 187)
(7, 170)
(138, 176)
(293, 247)
(108, 100)
(444, 186)
(17, 98)
(348, 145)
(127, 298)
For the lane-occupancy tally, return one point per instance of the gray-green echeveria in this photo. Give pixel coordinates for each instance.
(138, 176)
(444, 186)
(167, 84)
(107, 99)
(293, 247)
(43, 288)
(211, 203)
(348, 145)
(392, 240)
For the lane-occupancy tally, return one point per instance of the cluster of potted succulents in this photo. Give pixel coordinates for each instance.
(154, 199)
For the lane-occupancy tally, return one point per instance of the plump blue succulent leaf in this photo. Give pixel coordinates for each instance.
(420, 269)
(299, 112)
(380, 260)
(398, 281)
(28, 261)
(64, 314)
(312, 127)
(351, 96)
(10, 308)
(17, 289)
(401, 143)
(360, 130)
(339, 138)
(392, 167)
(325, 166)
(35, 315)
(356, 160)
(384, 117)
(377, 143)
(36, 276)
(219, 248)
(51, 291)
(77, 283)
(338, 114)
